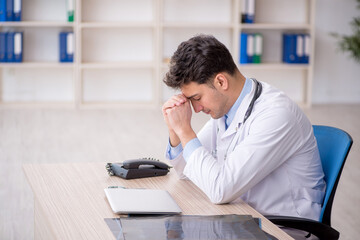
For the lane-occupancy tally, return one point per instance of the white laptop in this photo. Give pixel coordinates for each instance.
(141, 201)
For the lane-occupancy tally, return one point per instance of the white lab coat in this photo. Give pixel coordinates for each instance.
(272, 161)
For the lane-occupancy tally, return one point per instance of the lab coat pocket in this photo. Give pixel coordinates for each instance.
(308, 202)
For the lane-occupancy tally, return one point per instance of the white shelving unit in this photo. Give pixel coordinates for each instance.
(122, 48)
(40, 79)
(272, 18)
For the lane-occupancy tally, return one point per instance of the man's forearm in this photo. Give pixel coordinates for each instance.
(185, 135)
(174, 139)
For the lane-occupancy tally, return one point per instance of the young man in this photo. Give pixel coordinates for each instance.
(258, 145)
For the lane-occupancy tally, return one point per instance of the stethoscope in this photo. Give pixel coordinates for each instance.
(258, 90)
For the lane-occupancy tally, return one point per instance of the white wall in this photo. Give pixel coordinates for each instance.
(336, 75)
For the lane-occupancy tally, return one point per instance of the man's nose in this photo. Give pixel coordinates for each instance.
(197, 106)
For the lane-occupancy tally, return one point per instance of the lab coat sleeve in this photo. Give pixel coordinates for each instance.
(179, 162)
(273, 137)
(205, 135)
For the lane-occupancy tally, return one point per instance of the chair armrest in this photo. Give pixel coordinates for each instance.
(321, 230)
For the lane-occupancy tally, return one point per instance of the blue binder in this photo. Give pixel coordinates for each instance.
(17, 10)
(306, 48)
(289, 48)
(3, 48)
(299, 48)
(9, 10)
(10, 46)
(18, 47)
(243, 48)
(250, 12)
(243, 11)
(70, 46)
(62, 47)
(293, 58)
(284, 47)
(2, 10)
(66, 52)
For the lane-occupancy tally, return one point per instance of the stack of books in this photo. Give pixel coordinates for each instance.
(10, 10)
(11, 46)
(251, 48)
(296, 48)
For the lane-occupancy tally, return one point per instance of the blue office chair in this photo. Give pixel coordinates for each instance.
(334, 146)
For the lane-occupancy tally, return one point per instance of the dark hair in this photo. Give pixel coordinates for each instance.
(198, 60)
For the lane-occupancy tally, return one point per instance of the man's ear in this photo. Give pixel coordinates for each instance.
(221, 82)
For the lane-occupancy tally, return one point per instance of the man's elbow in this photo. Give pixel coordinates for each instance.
(221, 192)
(219, 202)
(219, 199)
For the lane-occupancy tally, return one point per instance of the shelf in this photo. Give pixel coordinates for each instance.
(37, 24)
(126, 105)
(117, 24)
(262, 66)
(275, 26)
(37, 65)
(27, 104)
(196, 25)
(277, 66)
(117, 65)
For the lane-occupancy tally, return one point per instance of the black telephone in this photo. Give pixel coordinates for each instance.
(138, 168)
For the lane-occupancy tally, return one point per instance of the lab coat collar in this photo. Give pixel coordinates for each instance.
(221, 124)
(239, 116)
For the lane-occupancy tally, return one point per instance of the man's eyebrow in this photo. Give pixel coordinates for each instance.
(192, 96)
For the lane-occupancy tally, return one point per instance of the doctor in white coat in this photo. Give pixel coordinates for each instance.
(258, 145)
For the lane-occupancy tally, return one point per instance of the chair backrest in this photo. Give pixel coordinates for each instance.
(334, 145)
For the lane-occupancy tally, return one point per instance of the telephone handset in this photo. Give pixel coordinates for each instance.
(138, 168)
(143, 163)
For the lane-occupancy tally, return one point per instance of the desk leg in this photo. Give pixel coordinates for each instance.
(42, 228)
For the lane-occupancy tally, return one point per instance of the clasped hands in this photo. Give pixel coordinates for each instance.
(177, 115)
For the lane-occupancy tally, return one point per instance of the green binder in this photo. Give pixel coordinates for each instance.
(258, 39)
(70, 10)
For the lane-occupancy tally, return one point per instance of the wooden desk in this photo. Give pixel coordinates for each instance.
(70, 202)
